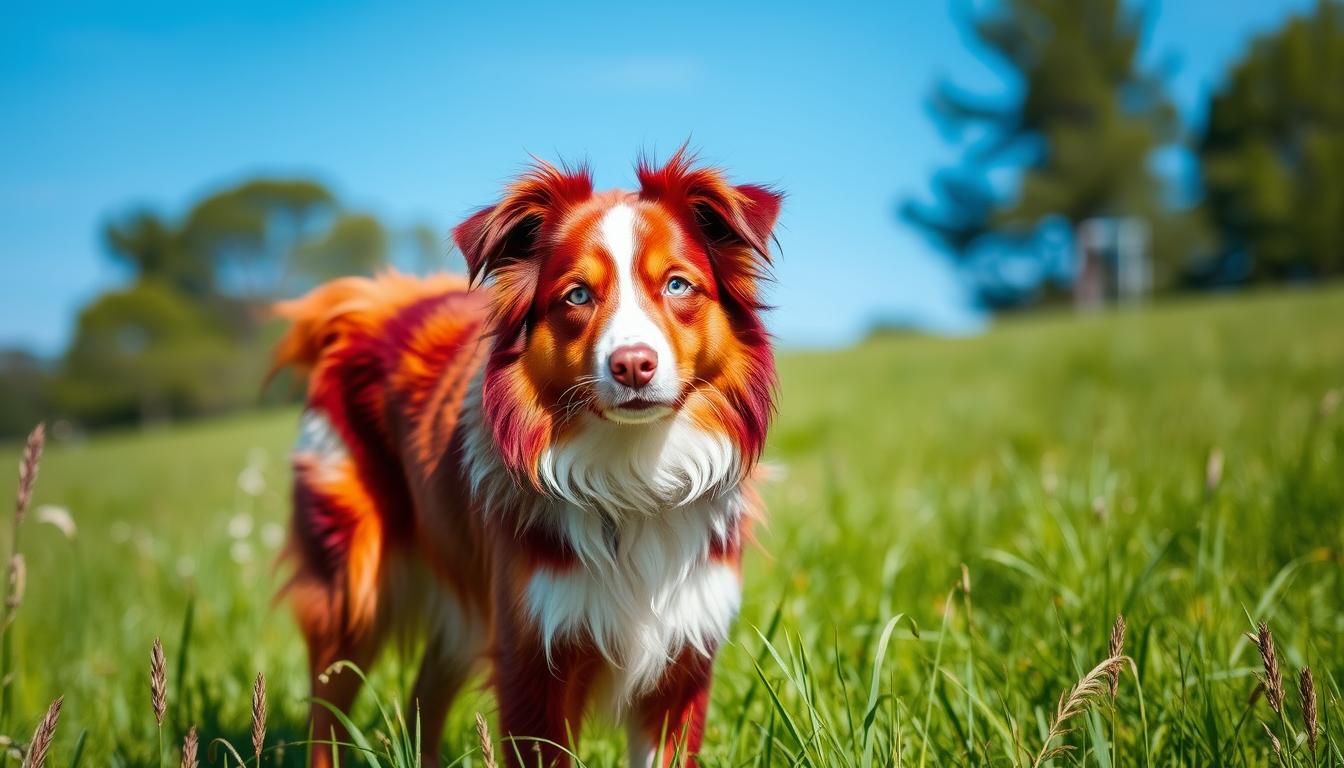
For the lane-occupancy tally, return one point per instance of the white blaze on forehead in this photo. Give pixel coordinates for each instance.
(630, 323)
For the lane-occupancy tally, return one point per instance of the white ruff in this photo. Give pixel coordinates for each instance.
(624, 469)
(641, 506)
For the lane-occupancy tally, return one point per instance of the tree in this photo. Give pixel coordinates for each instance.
(1076, 132)
(186, 336)
(1273, 155)
(25, 396)
(237, 242)
(154, 250)
(147, 353)
(355, 244)
(250, 233)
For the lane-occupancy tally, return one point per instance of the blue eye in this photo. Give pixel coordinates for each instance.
(578, 296)
(677, 286)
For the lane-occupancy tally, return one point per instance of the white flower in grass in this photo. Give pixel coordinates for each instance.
(272, 535)
(240, 526)
(251, 480)
(59, 517)
(120, 532)
(241, 552)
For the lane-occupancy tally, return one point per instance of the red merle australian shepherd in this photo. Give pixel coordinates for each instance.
(546, 466)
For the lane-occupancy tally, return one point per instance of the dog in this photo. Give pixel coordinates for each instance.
(546, 467)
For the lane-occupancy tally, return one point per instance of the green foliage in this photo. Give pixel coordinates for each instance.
(355, 244)
(154, 250)
(1064, 461)
(1079, 130)
(186, 336)
(249, 233)
(148, 353)
(1273, 151)
(25, 383)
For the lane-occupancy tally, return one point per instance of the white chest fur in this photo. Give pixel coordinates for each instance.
(655, 595)
(642, 507)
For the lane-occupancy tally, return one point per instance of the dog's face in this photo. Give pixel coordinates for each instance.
(632, 308)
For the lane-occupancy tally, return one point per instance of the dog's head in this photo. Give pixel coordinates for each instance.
(624, 310)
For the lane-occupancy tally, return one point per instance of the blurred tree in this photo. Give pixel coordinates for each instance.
(250, 233)
(429, 250)
(24, 391)
(1076, 133)
(154, 250)
(1273, 155)
(147, 353)
(187, 336)
(354, 244)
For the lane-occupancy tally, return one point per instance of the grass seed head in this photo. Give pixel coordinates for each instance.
(1116, 650)
(1273, 677)
(189, 747)
(1089, 690)
(37, 750)
(1306, 692)
(1273, 740)
(487, 746)
(158, 681)
(258, 715)
(32, 456)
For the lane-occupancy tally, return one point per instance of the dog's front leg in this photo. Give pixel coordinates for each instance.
(665, 728)
(541, 707)
(541, 695)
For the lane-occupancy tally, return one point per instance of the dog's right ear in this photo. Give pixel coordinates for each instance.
(504, 235)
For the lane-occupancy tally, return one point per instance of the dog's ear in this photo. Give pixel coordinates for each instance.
(734, 222)
(500, 241)
(505, 233)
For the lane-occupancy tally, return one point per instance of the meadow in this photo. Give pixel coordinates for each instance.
(955, 526)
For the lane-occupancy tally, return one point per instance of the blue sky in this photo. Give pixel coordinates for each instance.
(420, 112)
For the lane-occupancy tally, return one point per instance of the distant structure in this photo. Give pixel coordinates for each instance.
(1113, 262)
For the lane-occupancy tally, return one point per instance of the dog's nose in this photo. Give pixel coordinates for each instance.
(633, 365)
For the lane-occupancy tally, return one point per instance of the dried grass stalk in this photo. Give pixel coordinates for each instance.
(1272, 680)
(189, 746)
(32, 456)
(1273, 741)
(158, 681)
(1115, 651)
(37, 750)
(258, 715)
(1306, 692)
(487, 746)
(1089, 690)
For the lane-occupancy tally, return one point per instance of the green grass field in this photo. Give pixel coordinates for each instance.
(1064, 461)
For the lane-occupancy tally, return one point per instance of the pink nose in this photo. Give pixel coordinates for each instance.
(633, 365)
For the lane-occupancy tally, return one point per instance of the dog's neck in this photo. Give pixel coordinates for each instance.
(607, 477)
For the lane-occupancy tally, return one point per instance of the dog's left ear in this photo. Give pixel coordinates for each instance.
(734, 222)
(501, 240)
(503, 234)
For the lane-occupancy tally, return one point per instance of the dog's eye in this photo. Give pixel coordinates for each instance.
(677, 286)
(579, 296)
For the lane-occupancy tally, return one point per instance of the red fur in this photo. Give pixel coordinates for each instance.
(393, 361)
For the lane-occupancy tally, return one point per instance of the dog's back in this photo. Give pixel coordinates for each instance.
(389, 361)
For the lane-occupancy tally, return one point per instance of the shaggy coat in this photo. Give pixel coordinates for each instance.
(481, 462)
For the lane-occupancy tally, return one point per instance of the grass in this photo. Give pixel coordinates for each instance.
(958, 525)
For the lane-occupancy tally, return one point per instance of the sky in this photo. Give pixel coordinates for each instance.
(422, 111)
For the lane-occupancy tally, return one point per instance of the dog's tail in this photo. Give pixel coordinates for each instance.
(348, 482)
(344, 306)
